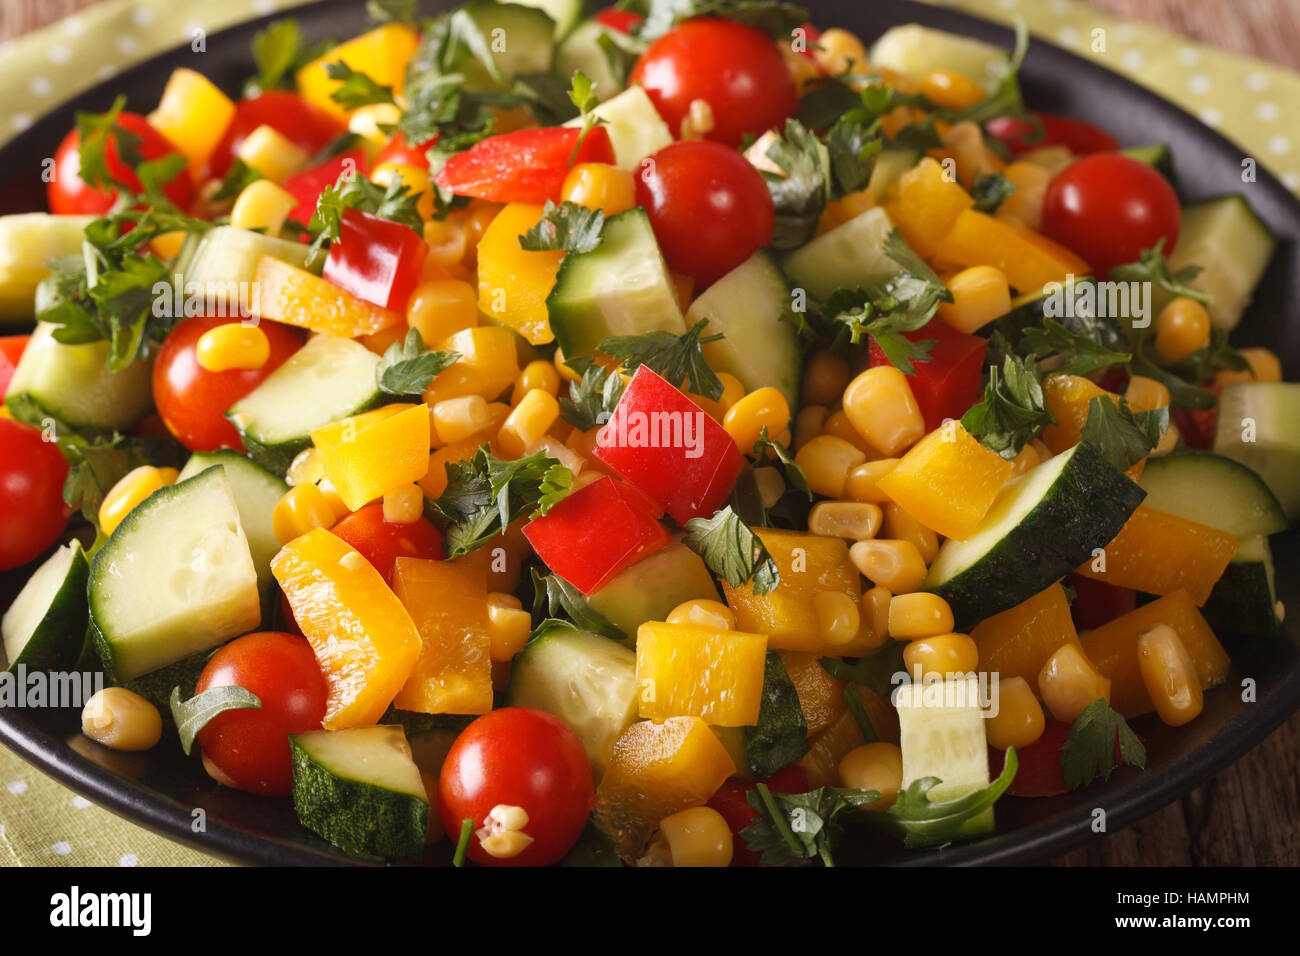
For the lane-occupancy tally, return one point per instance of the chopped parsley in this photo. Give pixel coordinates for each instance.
(732, 551)
(567, 227)
(407, 367)
(1099, 741)
(678, 358)
(1122, 437)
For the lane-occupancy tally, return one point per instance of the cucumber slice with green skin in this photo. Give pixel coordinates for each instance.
(635, 128)
(941, 734)
(175, 578)
(45, 627)
(1213, 490)
(156, 686)
(651, 588)
(1042, 526)
(520, 39)
(759, 347)
(916, 51)
(564, 13)
(1244, 599)
(360, 789)
(257, 492)
(1158, 156)
(847, 257)
(622, 287)
(1233, 247)
(71, 383)
(1258, 425)
(890, 166)
(585, 50)
(224, 264)
(327, 379)
(586, 680)
(28, 241)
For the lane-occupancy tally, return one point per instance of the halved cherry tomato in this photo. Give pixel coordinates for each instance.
(300, 122)
(1024, 136)
(193, 401)
(11, 350)
(70, 195)
(518, 757)
(528, 165)
(383, 542)
(709, 207)
(732, 801)
(249, 749)
(736, 69)
(32, 512)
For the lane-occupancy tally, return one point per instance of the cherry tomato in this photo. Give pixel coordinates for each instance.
(735, 68)
(70, 195)
(32, 512)
(1197, 425)
(193, 401)
(383, 542)
(1108, 208)
(621, 20)
(402, 153)
(518, 757)
(709, 207)
(1024, 136)
(11, 350)
(249, 749)
(300, 122)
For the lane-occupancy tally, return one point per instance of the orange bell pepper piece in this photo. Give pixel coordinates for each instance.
(513, 283)
(1028, 260)
(294, 296)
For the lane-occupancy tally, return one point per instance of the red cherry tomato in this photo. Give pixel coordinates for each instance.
(383, 542)
(402, 153)
(1024, 136)
(735, 68)
(1108, 208)
(32, 512)
(1197, 425)
(300, 122)
(518, 757)
(11, 350)
(621, 20)
(68, 194)
(249, 749)
(709, 207)
(193, 401)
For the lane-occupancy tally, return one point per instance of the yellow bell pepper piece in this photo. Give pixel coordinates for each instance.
(370, 454)
(821, 696)
(447, 601)
(513, 283)
(1028, 260)
(193, 114)
(827, 749)
(1018, 641)
(363, 638)
(381, 54)
(656, 770)
(294, 296)
(1067, 398)
(689, 670)
(487, 365)
(927, 205)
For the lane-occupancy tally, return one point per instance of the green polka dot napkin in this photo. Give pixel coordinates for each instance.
(1257, 104)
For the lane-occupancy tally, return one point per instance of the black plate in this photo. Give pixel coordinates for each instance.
(160, 790)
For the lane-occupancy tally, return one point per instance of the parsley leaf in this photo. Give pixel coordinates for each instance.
(567, 227)
(1014, 409)
(278, 51)
(776, 19)
(989, 191)
(1099, 741)
(583, 95)
(800, 826)
(238, 177)
(407, 367)
(354, 191)
(732, 551)
(874, 671)
(95, 130)
(1006, 99)
(1081, 354)
(592, 399)
(356, 89)
(921, 822)
(802, 188)
(794, 476)
(553, 596)
(1153, 267)
(678, 358)
(1182, 394)
(1123, 438)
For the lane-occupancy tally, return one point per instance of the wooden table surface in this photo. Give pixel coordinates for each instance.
(1250, 813)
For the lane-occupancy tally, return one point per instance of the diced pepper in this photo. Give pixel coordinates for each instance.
(1112, 648)
(1067, 399)
(513, 283)
(375, 259)
(1159, 553)
(927, 205)
(1096, 602)
(595, 533)
(361, 634)
(193, 114)
(1018, 641)
(294, 296)
(947, 481)
(11, 350)
(732, 801)
(809, 564)
(487, 365)
(528, 165)
(689, 670)
(381, 54)
(827, 749)
(372, 453)
(669, 448)
(1029, 260)
(447, 600)
(655, 770)
(821, 696)
(307, 185)
(952, 380)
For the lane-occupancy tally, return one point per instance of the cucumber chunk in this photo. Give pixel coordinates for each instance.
(45, 626)
(175, 578)
(1244, 599)
(1232, 246)
(651, 588)
(635, 128)
(226, 259)
(257, 492)
(524, 43)
(847, 257)
(889, 168)
(1258, 425)
(586, 680)
(916, 51)
(1158, 156)
(28, 241)
(327, 379)
(1213, 490)
(360, 789)
(564, 13)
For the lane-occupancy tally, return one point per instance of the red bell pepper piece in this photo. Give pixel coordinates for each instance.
(382, 542)
(1197, 425)
(307, 185)
(375, 259)
(731, 800)
(1039, 773)
(596, 532)
(621, 20)
(1023, 136)
(11, 350)
(1097, 602)
(951, 381)
(528, 165)
(669, 448)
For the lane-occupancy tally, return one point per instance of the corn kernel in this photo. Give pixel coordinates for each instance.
(980, 294)
(232, 346)
(447, 242)
(404, 505)
(1168, 441)
(826, 462)
(839, 50)
(837, 423)
(880, 405)
(698, 836)
(895, 565)
(1146, 394)
(762, 408)
(536, 374)
(1025, 459)
(852, 520)
(900, 524)
(941, 654)
(131, 489)
(1169, 675)
(1264, 367)
(824, 379)
(875, 616)
(838, 617)
(477, 219)
(706, 613)
(919, 614)
(566, 373)
(508, 629)
(527, 423)
(332, 497)
(262, 205)
(457, 418)
(600, 186)
(732, 390)
(1019, 720)
(272, 154)
(861, 483)
(1068, 683)
(442, 308)
(1182, 328)
(303, 508)
(877, 766)
(951, 90)
(808, 424)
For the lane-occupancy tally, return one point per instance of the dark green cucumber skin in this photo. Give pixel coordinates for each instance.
(351, 816)
(57, 642)
(279, 456)
(1084, 509)
(1241, 602)
(781, 735)
(156, 686)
